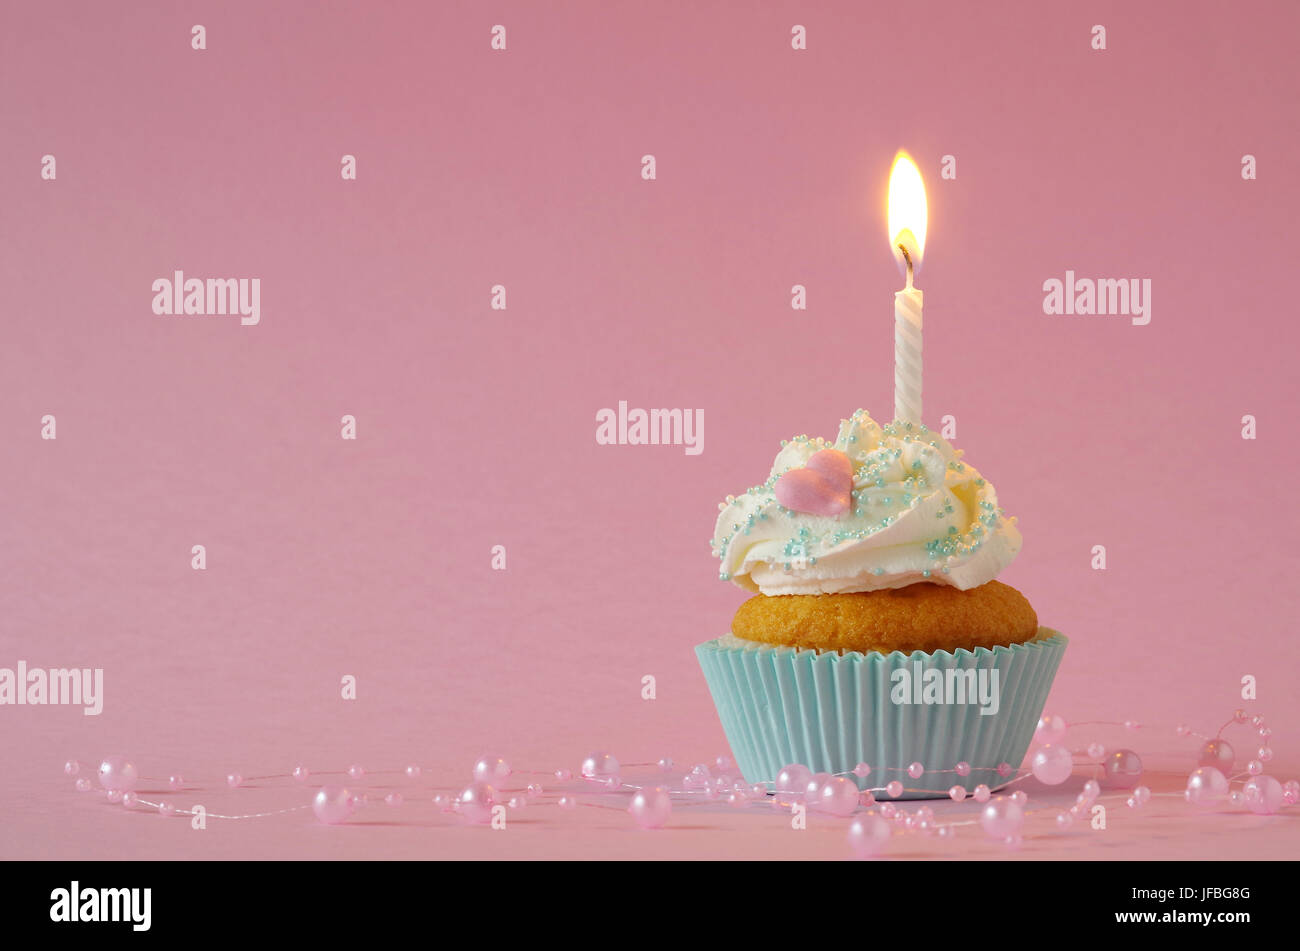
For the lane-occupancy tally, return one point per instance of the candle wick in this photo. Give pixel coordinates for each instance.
(908, 258)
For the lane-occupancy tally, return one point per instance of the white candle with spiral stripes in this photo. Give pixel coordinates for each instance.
(907, 354)
(907, 227)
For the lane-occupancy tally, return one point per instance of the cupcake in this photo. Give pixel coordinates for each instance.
(876, 632)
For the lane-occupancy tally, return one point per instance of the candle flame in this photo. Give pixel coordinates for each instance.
(907, 210)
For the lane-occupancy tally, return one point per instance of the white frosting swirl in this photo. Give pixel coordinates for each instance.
(919, 514)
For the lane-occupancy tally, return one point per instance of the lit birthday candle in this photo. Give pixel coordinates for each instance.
(907, 221)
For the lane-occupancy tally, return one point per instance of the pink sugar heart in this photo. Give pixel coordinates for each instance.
(823, 486)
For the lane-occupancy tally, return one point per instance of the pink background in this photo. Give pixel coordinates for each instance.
(476, 427)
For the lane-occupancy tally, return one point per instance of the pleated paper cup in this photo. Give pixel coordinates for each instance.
(831, 711)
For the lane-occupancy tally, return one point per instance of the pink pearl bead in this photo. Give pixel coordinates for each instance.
(724, 762)
(982, 793)
(737, 800)
(175, 782)
(916, 770)
(947, 832)
(1240, 716)
(332, 804)
(1096, 751)
(234, 780)
(113, 795)
(1254, 767)
(1206, 787)
(355, 773)
(1064, 820)
(839, 796)
(598, 765)
(868, 835)
(1291, 792)
(862, 771)
(359, 800)
(301, 773)
(888, 810)
(568, 802)
(698, 778)
(868, 798)
(1217, 753)
(1051, 764)
(491, 769)
(476, 801)
(1131, 802)
(1265, 754)
(612, 782)
(412, 772)
(813, 789)
(1257, 721)
(651, 807)
(117, 772)
(792, 780)
(393, 799)
(533, 791)
(166, 810)
(1051, 729)
(1020, 797)
(1002, 818)
(1121, 770)
(1264, 795)
(71, 767)
(1004, 769)
(894, 789)
(1236, 798)
(1092, 789)
(957, 793)
(1142, 794)
(564, 775)
(129, 799)
(517, 802)
(758, 791)
(83, 784)
(963, 768)
(1265, 733)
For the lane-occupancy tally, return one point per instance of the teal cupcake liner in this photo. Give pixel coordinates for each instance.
(831, 711)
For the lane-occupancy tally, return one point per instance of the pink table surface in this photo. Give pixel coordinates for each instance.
(476, 427)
